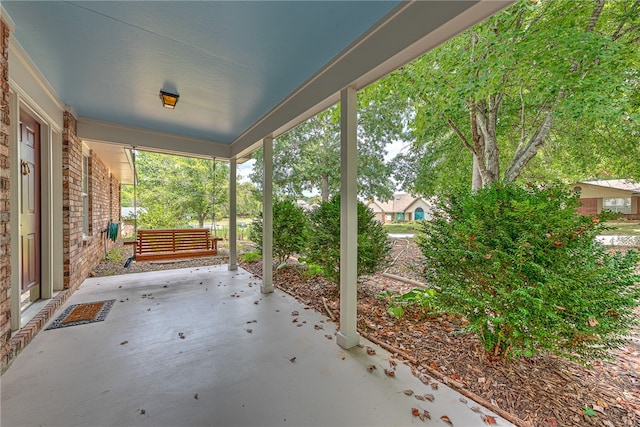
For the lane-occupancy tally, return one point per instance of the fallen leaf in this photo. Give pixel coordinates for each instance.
(371, 368)
(593, 322)
(390, 372)
(430, 397)
(181, 335)
(371, 351)
(489, 419)
(476, 409)
(142, 412)
(329, 337)
(318, 327)
(292, 360)
(294, 320)
(455, 377)
(249, 330)
(434, 386)
(446, 420)
(393, 363)
(552, 422)
(463, 400)
(415, 412)
(419, 397)
(408, 392)
(295, 313)
(195, 396)
(124, 342)
(426, 414)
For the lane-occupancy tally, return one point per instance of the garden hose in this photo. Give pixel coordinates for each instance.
(112, 232)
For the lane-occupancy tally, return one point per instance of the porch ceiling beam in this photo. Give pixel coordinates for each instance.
(145, 139)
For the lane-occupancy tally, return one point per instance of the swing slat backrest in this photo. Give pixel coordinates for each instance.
(175, 243)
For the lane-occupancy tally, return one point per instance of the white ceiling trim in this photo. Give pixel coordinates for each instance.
(145, 139)
(33, 89)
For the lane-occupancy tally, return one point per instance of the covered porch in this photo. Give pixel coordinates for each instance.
(204, 346)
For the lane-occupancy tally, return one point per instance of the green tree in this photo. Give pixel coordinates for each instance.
(307, 158)
(556, 78)
(323, 247)
(248, 200)
(527, 272)
(290, 225)
(174, 189)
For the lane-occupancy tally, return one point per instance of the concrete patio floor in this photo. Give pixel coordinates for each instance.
(235, 365)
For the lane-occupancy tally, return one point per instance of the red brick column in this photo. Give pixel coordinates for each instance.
(72, 241)
(5, 230)
(82, 253)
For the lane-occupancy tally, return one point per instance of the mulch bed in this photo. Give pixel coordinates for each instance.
(539, 391)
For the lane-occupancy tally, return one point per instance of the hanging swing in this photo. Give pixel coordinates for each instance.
(169, 244)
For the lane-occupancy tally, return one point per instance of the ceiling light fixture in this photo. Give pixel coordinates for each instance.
(169, 100)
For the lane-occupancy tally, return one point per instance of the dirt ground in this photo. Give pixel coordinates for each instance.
(539, 391)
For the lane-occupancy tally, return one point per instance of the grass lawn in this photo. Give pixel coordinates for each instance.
(401, 228)
(623, 228)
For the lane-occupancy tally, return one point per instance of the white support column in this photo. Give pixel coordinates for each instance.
(348, 335)
(233, 244)
(267, 216)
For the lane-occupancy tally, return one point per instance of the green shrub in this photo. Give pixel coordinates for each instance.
(324, 240)
(310, 271)
(525, 270)
(420, 299)
(290, 224)
(250, 256)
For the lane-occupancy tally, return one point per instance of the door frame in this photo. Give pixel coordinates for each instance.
(51, 219)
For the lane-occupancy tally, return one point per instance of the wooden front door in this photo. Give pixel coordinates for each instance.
(30, 201)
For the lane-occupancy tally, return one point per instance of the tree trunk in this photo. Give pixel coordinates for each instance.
(526, 153)
(201, 220)
(486, 146)
(324, 187)
(476, 179)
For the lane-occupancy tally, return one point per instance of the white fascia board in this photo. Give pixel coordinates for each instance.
(145, 139)
(32, 88)
(410, 30)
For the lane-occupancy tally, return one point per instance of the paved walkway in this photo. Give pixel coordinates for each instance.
(203, 347)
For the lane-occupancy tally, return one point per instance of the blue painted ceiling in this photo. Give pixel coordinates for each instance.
(231, 62)
(244, 70)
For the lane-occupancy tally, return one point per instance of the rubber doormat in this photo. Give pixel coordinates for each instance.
(81, 314)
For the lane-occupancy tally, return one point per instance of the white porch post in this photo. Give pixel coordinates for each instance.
(233, 263)
(348, 335)
(267, 216)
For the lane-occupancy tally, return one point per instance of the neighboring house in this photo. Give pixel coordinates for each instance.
(401, 208)
(615, 195)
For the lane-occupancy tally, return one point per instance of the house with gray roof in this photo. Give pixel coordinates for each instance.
(615, 195)
(401, 207)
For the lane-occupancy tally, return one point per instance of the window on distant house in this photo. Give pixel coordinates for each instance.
(618, 204)
(85, 195)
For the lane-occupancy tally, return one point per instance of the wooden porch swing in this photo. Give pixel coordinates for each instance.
(169, 244)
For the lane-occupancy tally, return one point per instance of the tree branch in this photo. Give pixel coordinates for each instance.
(595, 16)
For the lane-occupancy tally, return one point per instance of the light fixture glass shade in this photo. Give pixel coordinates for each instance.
(169, 100)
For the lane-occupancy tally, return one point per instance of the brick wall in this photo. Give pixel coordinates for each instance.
(82, 253)
(5, 238)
